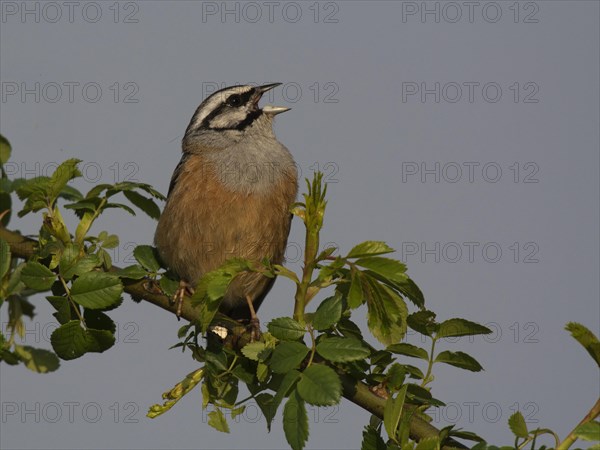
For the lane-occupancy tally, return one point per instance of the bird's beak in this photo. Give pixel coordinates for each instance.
(270, 109)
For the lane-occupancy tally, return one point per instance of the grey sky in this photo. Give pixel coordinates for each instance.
(511, 134)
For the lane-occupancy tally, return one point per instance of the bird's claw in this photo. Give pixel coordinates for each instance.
(183, 290)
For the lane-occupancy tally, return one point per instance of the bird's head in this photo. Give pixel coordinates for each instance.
(230, 115)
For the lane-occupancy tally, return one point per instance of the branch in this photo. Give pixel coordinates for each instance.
(355, 391)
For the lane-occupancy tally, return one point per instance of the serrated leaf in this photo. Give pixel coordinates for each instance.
(355, 291)
(168, 285)
(386, 267)
(288, 356)
(392, 413)
(99, 321)
(408, 350)
(217, 420)
(369, 248)
(97, 290)
(37, 359)
(589, 431)
(5, 150)
(429, 443)
(295, 422)
(387, 312)
(133, 272)
(320, 386)
(422, 322)
(516, 423)
(340, 349)
(265, 403)
(411, 291)
(460, 327)
(287, 383)
(253, 349)
(71, 341)
(62, 175)
(5, 257)
(372, 440)
(37, 277)
(62, 306)
(145, 204)
(73, 264)
(286, 329)
(459, 359)
(328, 313)
(586, 338)
(147, 256)
(120, 206)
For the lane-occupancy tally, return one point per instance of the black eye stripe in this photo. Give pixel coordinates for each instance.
(250, 118)
(244, 97)
(222, 107)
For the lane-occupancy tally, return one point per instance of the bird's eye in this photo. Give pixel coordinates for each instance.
(234, 100)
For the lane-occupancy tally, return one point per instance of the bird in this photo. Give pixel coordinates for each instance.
(230, 196)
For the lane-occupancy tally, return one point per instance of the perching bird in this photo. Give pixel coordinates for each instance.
(230, 196)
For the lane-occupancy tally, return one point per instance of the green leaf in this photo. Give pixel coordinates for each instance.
(392, 413)
(287, 382)
(36, 359)
(134, 272)
(253, 349)
(387, 312)
(78, 266)
(217, 420)
(320, 386)
(212, 287)
(517, 425)
(339, 349)
(372, 440)
(37, 277)
(328, 313)
(286, 329)
(460, 327)
(5, 258)
(147, 256)
(265, 403)
(145, 204)
(168, 285)
(429, 443)
(589, 431)
(386, 267)
(288, 356)
(62, 175)
(97, 290)
(586, 338)
(355, 292)
(369, 248)
(99, 321)
(459, 359)
(62, 306)
(5, 150)
(423, 322)
(295, 422)
(411, 291)
(408, 350)
(70, 341)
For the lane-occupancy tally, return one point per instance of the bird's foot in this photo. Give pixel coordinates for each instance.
(254, 322)
(184, 289)
(254, 329)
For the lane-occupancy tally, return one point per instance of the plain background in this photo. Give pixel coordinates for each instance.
(530, 132)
